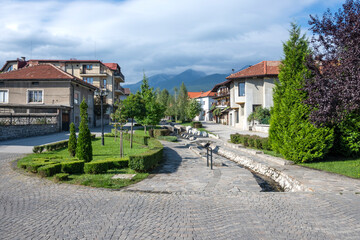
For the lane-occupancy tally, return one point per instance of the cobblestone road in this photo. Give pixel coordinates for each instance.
(33, 208)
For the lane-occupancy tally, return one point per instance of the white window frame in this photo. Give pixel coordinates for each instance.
(7, 96)
(78, 103)
(42, 97)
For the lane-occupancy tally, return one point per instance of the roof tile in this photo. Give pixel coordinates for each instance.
(261, 69)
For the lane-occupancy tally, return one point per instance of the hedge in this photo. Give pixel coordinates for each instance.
(144, 162)
(34, 166)
(55, 146)
(161, 132)
(61, 177)
(73, 167)
(101, 166)
(196, 124)
(49, 170)
(251, 141)
(96, 167)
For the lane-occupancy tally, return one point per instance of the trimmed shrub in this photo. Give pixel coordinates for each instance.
(61, 177)
(117, 162)
(161, 132)
(144, 162)
(84, 145)
(168, 138)
(251, 141)
(72, 141)
(73, 167)
(196, 124)
(96, 167)
(178, 122)
(49, 170)
(38, 149)
(151, 133)
(34, 166)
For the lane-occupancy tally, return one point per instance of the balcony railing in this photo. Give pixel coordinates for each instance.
(119, 74)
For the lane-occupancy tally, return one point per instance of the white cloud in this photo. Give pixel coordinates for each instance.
(156, 36)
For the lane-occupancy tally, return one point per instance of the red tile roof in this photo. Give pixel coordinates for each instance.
(263, 68)
(201, 94)
(217, 86)
(41, 72)
(112, 66)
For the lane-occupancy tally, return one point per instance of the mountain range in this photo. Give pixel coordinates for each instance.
(195, 81)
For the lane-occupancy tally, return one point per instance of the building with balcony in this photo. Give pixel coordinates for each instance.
(221, 102)
(43, 94)
(95, 72)
(250, 88)
(206, 101)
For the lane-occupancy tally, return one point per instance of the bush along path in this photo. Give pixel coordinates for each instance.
(57, 165)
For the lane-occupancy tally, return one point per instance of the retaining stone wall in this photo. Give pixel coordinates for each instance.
(19, 131)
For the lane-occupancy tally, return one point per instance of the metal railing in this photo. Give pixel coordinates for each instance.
(209, 149)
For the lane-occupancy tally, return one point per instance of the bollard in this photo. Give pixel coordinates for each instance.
(211, 158)
(207, 156)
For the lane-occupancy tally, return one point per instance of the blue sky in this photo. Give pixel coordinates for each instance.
(155, 36)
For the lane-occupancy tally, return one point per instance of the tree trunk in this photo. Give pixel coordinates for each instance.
(121, 143)
(131, 133)
(145, 129)
(115, 132)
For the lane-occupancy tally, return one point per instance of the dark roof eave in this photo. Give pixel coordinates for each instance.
(252, 76)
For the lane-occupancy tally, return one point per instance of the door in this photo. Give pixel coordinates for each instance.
(65, 121)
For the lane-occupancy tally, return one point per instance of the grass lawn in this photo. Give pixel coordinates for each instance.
(345, 166)
(111, 149)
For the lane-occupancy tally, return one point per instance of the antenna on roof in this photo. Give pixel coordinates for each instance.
(233, 70)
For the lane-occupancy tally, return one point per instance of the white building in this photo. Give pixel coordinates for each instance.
(206, 100)
(250, 88)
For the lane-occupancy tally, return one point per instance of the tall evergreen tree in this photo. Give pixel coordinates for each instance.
(182, 102)
(291, 132)
(72, 140)
(84, 147)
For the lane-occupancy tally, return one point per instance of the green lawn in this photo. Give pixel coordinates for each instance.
(111, 149)
(344, 166)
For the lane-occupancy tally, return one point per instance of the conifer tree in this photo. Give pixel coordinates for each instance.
(291, 132)
(72, 141)
(84, 147)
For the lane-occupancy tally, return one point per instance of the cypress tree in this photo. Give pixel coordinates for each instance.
(291, 132)
(72, 141)
(84, 147)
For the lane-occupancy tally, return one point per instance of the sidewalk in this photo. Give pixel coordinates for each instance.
(312, 180)
(224, 131)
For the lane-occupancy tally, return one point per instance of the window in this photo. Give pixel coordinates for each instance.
(90, 101)
(10, 68)
(89, 66)
(76, 97)
(104, 83)
(35, 96)
(242, 89)
(88, 80)
(4, 96)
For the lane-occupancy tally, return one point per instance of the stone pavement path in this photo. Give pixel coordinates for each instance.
(184, 171)
(34, 208)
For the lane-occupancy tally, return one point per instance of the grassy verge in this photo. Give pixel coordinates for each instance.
(111, 149)
(105, 180)
(345, 166)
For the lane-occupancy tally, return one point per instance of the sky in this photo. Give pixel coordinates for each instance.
(154, 36)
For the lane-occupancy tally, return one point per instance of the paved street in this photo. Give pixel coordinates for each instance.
(34, 208)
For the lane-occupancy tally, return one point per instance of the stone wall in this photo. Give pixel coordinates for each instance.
(19, 131)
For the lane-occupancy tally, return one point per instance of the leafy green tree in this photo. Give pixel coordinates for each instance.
(154, 111)
(171, 107)
(193, 109)
(291, 132)
(84, 147)
(133, 106)
(182, 102)
(119, 119)
(72, 141)
(262, 115)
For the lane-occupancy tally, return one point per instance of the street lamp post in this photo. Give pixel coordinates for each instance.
(102, 93)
